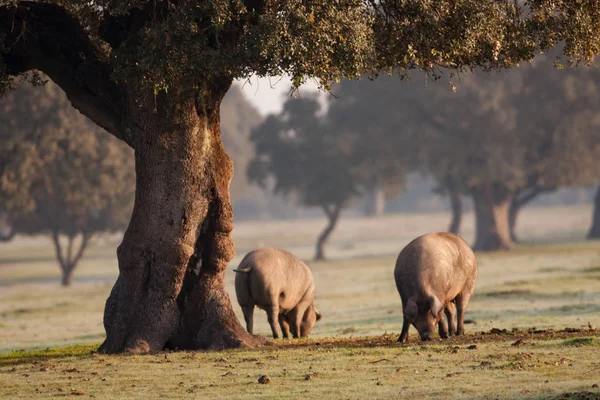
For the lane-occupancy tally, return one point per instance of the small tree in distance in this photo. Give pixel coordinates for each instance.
(305, 159)
(61, 176)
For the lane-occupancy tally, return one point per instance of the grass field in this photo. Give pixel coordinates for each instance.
(551, 282)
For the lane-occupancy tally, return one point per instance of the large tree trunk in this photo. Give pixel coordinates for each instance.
(170, 290)
(332, 213)
(594, 232)
(491, 218)
(457, 211)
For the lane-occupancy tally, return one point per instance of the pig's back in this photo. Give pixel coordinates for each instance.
(277, 273)
(435, 263)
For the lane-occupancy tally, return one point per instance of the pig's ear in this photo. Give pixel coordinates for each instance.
(436, 306)
(319, 315)
(411, 309)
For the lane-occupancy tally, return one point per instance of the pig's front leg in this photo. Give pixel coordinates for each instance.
(443, 329)
(285, 326)
(404, 335)
(295, 319)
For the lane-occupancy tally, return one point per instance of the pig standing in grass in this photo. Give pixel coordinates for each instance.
(282, 285)
(433, 273)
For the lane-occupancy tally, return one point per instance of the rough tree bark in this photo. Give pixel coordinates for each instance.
(457, 211)
(68, 262)
(332, 212)
(170, 290)
(521, 199)
(594, 232)
(491, 218)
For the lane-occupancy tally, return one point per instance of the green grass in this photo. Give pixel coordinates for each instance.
(31, 356)
(583, 341)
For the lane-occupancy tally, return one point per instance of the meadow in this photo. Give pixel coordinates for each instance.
(530, 332)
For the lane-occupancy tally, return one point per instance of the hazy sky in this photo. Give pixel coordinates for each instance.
(269, 94)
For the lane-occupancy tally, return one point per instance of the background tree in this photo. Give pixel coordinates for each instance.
(562, 125)
(501, 139)
(61, 175)
(594, 232)
(154, 73)
(306, 159)
(238, 118)
(311, 155)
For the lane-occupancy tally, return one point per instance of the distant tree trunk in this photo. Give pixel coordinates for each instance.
(69, 261)
(594, 232)
(332, 213)
(171, 291)
(491, 218)
(521, 199)
(376, 202)
(7, 237)
(457, 211)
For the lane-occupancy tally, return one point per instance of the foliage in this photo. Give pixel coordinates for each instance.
(238, 118)
(155, 44)
(322, 162)
(60, 174)
(303, 155)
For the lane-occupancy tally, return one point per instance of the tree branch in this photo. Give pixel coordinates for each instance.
(45, 37)
(526, 195)
(85, 240)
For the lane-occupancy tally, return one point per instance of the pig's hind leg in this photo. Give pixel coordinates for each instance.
(461, 307)
(272, 316)
(248, 311)
(450, 311)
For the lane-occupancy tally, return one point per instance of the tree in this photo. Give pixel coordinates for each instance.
(594, 232)
(154, 73)
(239, 117)
(501, 140)
(60, 175)
(306, 159)
(563, 130)
(538, 137)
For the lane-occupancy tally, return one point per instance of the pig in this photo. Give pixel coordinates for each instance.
(282, 285)
(435, 275)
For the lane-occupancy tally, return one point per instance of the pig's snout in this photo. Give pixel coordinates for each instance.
(426, 336)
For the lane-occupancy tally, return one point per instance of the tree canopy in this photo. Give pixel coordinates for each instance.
(163, 44)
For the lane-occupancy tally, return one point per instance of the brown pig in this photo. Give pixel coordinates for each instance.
(434, 273)
(282, 285)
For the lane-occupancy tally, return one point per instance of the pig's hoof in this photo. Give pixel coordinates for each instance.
(402, 339)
